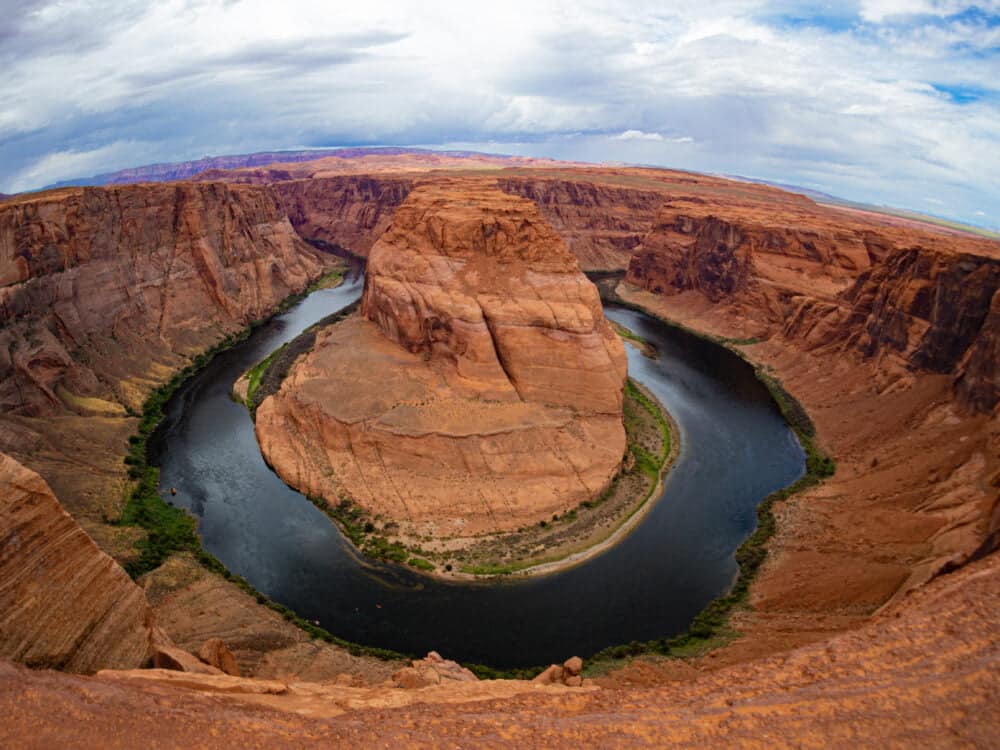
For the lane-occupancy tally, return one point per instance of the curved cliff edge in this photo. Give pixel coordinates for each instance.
(480, 391)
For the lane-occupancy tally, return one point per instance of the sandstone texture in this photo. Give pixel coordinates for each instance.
(64, 604)
(195, 607)
(106, 292)
(431, 670)
(922, 674)
(495, 391)
(103, 286)
(873, 619)
(349, 212)
(906, 299)
(602, 224)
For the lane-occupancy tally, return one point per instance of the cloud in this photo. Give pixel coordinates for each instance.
(873, 99)
(62, 165)
(637, 135)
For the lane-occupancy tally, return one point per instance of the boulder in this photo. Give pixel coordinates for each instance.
(179, 660)
(215, 653)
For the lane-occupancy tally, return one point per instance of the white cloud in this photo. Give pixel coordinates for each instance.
(63, 165)
(637, 135)
(93, 85)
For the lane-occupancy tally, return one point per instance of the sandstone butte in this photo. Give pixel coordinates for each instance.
(872, 621)
(480, 390)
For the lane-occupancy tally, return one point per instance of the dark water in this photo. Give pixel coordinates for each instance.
(736, 450)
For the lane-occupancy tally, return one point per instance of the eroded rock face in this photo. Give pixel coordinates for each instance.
(64, 604)
(936, 313)
(350, 211)
(602, 224)
(481, 390)
(905, 299)
(721, 251)
(103, 286)
(475, 277)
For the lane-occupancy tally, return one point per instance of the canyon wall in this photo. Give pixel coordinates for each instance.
(106, 287)
(887, 334)
(106, 293)
(496, 391)
(601, 223)
(922, 675)
(64, 604)
(350, 212)
(907, 301)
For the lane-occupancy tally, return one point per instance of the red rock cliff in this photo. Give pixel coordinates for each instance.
(492, 388)
(351, 211)
(904, 299)
(103, 286)
(601, 223)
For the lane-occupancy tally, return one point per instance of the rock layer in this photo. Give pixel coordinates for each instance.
(906, 300)
(922, 675)
(103, 285)
(63, 603)
(497, 389)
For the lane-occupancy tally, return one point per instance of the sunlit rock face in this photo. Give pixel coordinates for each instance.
(479, 390)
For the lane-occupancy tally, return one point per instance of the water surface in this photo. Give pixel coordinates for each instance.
(736, 449)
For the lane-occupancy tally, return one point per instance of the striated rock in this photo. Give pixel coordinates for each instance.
(922, 674)
(499, 378)
(103, 286)
(906, 299)
(108, 292)
(349, 212)
(193, 606)
(725, 250)
(476, 278)
(215, 653)
(934, 312)
(63, 603)
(601, 223)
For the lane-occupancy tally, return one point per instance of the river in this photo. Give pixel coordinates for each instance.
(736, 449)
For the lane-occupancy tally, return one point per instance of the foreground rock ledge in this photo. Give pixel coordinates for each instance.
(480, 391)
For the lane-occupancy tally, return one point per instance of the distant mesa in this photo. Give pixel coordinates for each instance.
(479, 391)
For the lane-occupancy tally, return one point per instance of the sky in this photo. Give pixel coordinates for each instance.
(894, 102)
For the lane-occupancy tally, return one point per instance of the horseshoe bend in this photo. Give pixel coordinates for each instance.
(478, 398)
(495, 401)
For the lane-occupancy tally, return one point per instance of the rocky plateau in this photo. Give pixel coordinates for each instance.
(494, 376)
(873, 619)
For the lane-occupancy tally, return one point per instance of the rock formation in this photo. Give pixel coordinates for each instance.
(108, 291)
(64, 604)
(884, 328)
(923, 674)
(601, 223)
(350, 212)
(910, 300)
(431, 670)
(102, 286)
(496, 394)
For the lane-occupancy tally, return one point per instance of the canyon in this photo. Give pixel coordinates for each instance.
(878, 582)
(498, 377)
